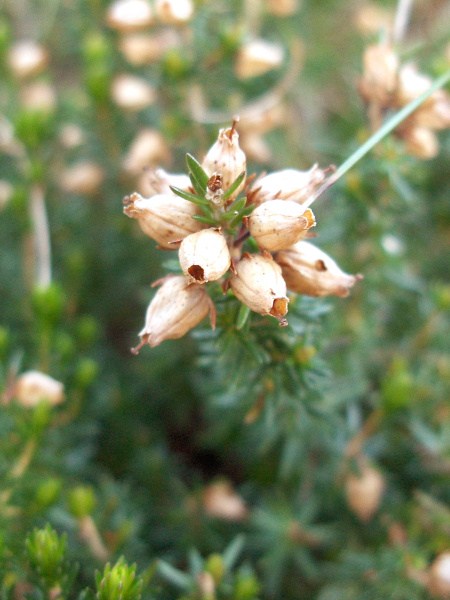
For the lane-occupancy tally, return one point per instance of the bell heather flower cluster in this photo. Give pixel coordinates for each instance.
(217, 219)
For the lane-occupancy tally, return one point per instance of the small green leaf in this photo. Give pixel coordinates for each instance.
(188, 196)
(197, 171)
(238, 205)
(206, 220)
(197, 187)
(242, 318)
(234, 186)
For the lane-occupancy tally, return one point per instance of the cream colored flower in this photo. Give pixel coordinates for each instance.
(129, 15)
(308, 270)
(278, 224)
(364, 491)
(27, 58)
(258, 57)
(165, 218)
(258, 283)
(176, 308)
(204, 256)
(288, 184)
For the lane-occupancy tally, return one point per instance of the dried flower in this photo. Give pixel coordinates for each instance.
(82, 178)
(308, 270)
(132, 93)
(379, 80)
(160, 181)
(421, 142)
(39, 96)
(220, 500)
(258, 283)
(204, 256)
(288, 184)
(147, 149)
(364, 491)
(226, 158)
(278, 224)
(27, 58)
(174, 12)
(129, 15)
(165, 218)
(33, 387)
(258, 57)
(176, 308)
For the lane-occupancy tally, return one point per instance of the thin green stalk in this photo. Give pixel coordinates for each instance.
(385, 130)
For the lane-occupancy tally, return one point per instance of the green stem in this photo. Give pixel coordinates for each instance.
(391, 124)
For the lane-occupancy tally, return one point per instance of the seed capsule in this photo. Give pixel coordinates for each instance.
(288, 184)
(33, 386)
(176, 308)
(259, 284)
(379, 81)
(225, 158)
(204, 256)
(165, 218)
(278, 224)
(160, 182)
(308, 270)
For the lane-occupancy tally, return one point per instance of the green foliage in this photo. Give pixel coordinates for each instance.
(217, 465)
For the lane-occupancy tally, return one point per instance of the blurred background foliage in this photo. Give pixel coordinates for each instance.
(239, 464)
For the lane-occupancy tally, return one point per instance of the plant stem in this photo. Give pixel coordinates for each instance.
(402, 15)
(41, 237)
(391, 124)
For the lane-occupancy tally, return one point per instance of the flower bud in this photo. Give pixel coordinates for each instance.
(148, 148)
(288, 184)
(174, 12)
(165, 218)
(259, 284)
(364, 492)
(132, 93)
(379, 79)
(27, 58)
(204, 256)
(176, 308)
(82, 178)
(278, 224)
(226, 158)
(439, 576)
(258, 57)
(33, 386)
(308, 270)
(129, 15)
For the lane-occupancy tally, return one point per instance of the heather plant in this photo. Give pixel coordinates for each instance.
(281, 428)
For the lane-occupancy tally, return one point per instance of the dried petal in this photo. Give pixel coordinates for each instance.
(309, 270)
(176, 308)
(33, 386)
(204, 256)
(259, 284)
(226, 158)
(278, 224)
(289, 184)
(165, 218)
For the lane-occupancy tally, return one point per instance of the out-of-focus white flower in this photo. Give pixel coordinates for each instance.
(39, 96)
(6, 192)
(83, 177)
(33, 387)
(258, 57)
(129, 15)
(147, 149)
(27, 58)
(71, 136)
(132, 93)
(144, 49)
(364, 491)
(221, 500)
